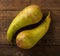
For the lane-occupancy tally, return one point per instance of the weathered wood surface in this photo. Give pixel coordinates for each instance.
(35, 51)
(13, 4)
(49, 45)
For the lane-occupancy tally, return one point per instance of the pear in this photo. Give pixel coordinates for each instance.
(28, 38)
(28, 16)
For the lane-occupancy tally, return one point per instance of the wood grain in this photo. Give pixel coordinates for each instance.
(47, 4)
(13, 4)
(36, 51)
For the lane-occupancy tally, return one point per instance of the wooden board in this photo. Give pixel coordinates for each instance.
(49, 45)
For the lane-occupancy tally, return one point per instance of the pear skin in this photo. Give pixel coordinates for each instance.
(28, 16)
(28, 38)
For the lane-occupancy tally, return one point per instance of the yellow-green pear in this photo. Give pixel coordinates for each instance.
(28, 16)
(28, 38)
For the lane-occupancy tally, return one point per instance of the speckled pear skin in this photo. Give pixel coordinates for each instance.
(28, 16)
(28, 38)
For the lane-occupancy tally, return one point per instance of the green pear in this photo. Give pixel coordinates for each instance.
(28, 38)
(28, 16)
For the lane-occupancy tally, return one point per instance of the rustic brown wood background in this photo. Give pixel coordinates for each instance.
(49, 45)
